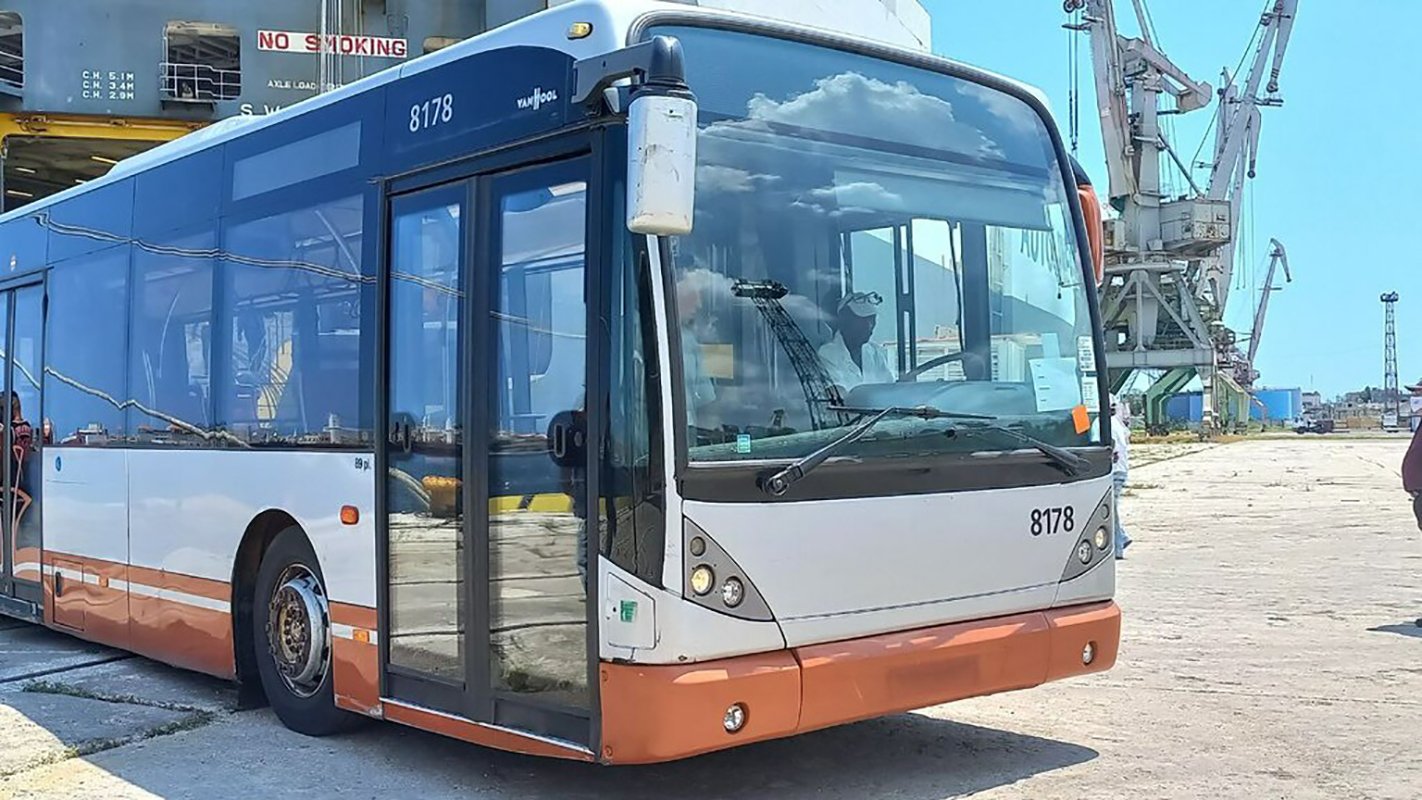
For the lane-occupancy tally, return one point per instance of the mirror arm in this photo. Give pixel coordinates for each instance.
(656, 65)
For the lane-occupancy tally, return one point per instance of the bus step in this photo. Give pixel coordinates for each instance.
(20, 609)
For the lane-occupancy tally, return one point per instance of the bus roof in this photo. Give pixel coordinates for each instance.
(611, 22)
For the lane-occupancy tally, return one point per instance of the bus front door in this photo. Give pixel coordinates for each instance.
(485, 450)
(21, 373)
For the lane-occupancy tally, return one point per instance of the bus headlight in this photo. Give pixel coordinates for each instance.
(714, 581)
(733, 592)
(1083, 552)
(702, 579)
(1102, 538)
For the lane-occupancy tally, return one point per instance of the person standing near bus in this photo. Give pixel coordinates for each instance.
(1412, 479)
(1120, 468)
(1412, 474)
(22, 437)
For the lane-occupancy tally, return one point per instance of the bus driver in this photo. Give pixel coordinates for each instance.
(850, 358)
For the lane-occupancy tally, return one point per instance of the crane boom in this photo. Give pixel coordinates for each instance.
(1237, 137)
(1277, 257)
(1237, 131)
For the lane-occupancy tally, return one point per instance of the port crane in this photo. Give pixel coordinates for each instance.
(1242, 363)
(1170, 259)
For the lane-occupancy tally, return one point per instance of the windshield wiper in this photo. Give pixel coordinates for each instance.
(1071, 463)
(780, 482)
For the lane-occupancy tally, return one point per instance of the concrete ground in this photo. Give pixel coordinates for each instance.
(1268, 652)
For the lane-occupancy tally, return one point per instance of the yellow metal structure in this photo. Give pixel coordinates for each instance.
(115, 128)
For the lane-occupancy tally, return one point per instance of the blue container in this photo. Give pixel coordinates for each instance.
(1188, 407)
(1278, 405)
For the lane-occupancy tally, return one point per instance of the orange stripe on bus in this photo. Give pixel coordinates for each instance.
(355, 663)
(353, 615)
(167, 630)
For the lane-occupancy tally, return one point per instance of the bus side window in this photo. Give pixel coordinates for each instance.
(292, 292)
(634, 526)
(170, 350)
(85, 350)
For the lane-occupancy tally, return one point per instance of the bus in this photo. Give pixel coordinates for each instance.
(626, 383)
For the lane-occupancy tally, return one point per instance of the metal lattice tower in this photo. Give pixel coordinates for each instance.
(1389, 301)
(814, 381)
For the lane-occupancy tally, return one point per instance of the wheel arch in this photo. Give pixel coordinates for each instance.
(255, 540)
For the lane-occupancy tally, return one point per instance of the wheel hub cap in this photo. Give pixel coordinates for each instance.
(298, 630)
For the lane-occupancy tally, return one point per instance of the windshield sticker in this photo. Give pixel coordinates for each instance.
(743, 443)
(1054, 380)
(1085, 355)
(1090, 395)
(1081, 418)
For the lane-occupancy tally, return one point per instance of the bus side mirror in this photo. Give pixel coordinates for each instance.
(661, 164)
(661, 131)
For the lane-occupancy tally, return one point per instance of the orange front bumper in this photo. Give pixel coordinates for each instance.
(661, 713)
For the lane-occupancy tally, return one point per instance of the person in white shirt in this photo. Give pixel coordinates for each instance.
(850, 359)
(1120, 467)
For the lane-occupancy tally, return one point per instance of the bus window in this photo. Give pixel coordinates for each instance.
(292, 299)
(86, 375)
(171, 340)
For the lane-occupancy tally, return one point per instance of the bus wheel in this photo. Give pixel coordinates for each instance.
(292, 637)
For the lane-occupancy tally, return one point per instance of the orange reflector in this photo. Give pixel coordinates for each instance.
(103, 582)
(580, 30)
(1081, 419)
(361, 635)
(350, 515)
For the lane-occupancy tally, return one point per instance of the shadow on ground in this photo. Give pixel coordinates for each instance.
(1403, 628)
(907, 756)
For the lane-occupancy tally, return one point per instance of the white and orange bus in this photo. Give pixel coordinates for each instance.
(629, 382)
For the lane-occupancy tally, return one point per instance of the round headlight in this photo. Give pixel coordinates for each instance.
(1083, 552)
(702, 579)
(733, 592)
(1103, 538)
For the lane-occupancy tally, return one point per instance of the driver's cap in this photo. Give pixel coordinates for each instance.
(861, 304)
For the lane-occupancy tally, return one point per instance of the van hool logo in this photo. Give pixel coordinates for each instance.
(536, 100)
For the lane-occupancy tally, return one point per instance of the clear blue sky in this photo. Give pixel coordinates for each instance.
(1339, 168)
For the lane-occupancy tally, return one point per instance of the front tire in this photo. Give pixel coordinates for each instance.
(291, 633)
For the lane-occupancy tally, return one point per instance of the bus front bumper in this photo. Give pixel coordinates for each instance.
(657, 713)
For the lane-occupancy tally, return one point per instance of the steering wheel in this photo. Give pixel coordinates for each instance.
(963, 355)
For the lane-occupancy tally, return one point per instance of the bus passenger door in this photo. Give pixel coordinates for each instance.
(532, 380)
(485, 450)
(22, 336)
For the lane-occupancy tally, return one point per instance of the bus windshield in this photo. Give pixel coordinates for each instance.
(872, 235)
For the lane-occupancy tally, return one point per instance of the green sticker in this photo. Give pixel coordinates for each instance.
(743, 443)
(629, 610)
